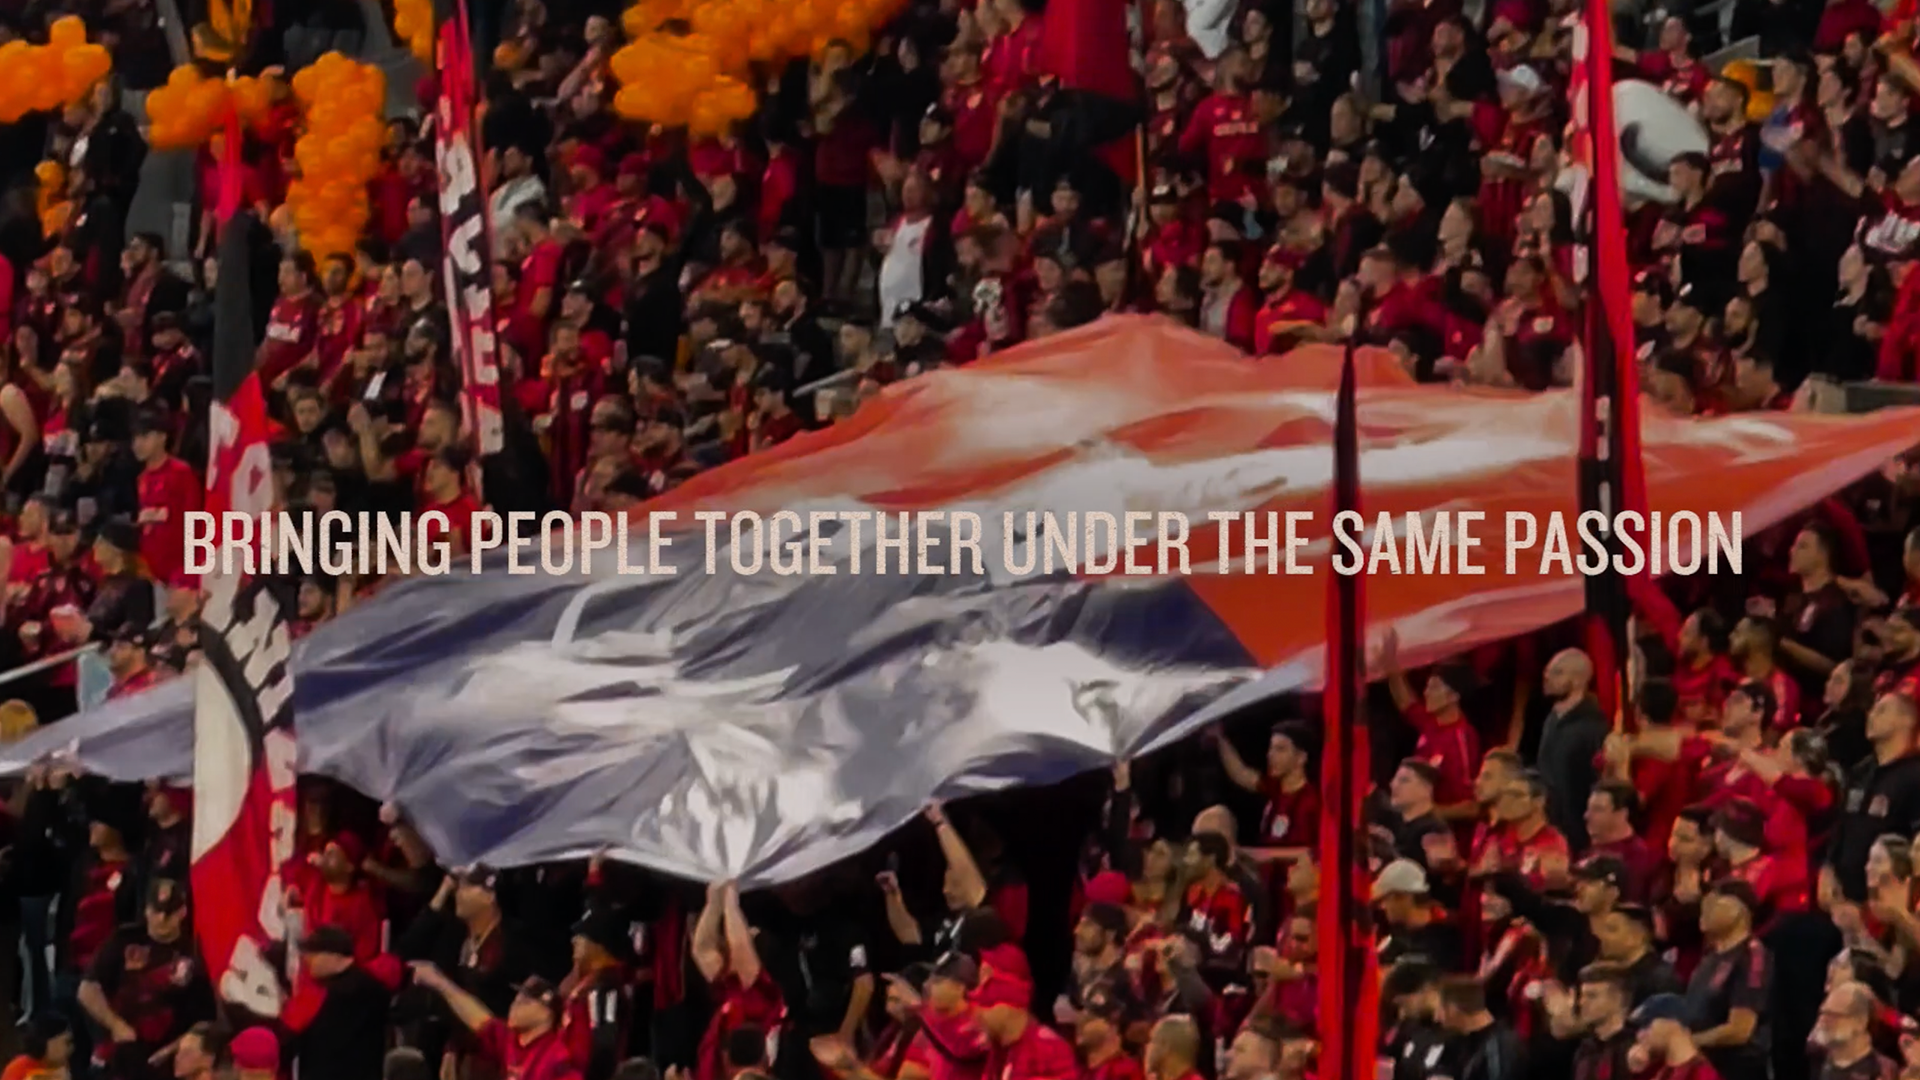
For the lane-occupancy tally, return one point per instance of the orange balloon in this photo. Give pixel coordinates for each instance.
(67, 32)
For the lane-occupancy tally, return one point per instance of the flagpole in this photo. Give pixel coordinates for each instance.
(1348, 970)
(1610, 476)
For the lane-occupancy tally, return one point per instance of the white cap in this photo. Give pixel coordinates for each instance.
(1523, 78)
(1400, 877)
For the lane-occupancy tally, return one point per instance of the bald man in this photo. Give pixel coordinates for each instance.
(1173, 1051)
(1243, 868)
(1574, 731)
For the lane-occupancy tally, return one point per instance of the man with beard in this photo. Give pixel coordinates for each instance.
(341, 898)
(293, 326)
(795, 323)
(1734, 154)
(1099, 1032)
(1845, 1035)
(1287, 315)
(337, 1014)
(1099, 955)
(127, 661)
(341, 314)
(1899, 635)
(654, 307)
(146, 986)
(150, 289)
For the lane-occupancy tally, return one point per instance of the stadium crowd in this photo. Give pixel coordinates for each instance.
(1726, 892)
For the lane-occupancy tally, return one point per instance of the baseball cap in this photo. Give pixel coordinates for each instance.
(1401, 877)
(1662, 1007)
(1523, 78)
(256, 1050)
(166, 896)
(956, 967)
(1606, 869)
(1108, 917)
(605, 929)
(1002, 989)
(135, 635)
(1109, 887)
(1109, 1000)
(351, 846)
(542, 991)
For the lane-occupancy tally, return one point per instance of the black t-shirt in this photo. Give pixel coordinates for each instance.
(1492, 1053)
(1417, 1051)
(1652, 975)
(159, 988)
(815, 960)
(1822, 621)
(1438, 941)
(1740, 977)
(1879, 799)
(1409, 835)
(1604, 1059)
(1871, 1067)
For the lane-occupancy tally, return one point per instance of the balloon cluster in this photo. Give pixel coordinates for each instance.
(413, 22)
(185, 112)
(40, 78)
(338, 152)
(50, 198)
(699, 78)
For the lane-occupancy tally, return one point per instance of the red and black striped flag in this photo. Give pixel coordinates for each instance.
(466, 234)
(1349, 967)
(243, 738)
(1612, 479)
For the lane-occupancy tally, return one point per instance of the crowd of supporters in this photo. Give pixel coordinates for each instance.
(1726, 890)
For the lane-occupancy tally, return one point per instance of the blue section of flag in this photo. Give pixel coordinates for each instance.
(714, 725)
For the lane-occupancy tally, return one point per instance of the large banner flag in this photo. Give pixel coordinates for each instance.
(746, 724)
(1349, 969)
(466, 233)
(1612, 477)
(244, 755)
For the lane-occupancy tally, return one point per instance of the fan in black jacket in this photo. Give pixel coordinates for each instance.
(339, 1021)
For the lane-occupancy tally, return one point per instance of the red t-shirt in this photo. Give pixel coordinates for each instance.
(1453, 748)
(539, 270)
(545, 1058)
(1780, 883)
(168, 491)
(339, 330)
(293, 329)
(759, 1005)
(458, 532)
(1702, 689)
(1535, 855)
(1696, 1069)
(356, 911)
(1291, 818)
